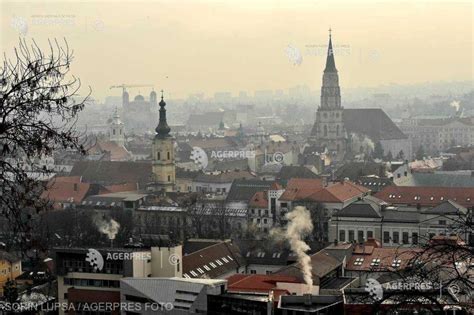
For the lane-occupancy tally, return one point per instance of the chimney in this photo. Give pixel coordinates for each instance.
(335, 242)
(307, 299)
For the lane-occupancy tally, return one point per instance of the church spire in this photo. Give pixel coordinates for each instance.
(162, 129)
(330, 64)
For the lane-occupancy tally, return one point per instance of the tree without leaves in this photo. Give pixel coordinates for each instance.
(444, 261)
(37, 116)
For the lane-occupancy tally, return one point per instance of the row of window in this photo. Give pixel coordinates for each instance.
(387, 238)
(209, 189)
(92, 283)
(258, 221)
(351, 235)
(259, 212)
(111, 267)
(395, 237)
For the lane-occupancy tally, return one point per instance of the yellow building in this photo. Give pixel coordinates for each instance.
(10, 268)
(164, 170)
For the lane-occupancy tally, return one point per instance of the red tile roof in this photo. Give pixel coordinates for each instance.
(427, 196)
(276, 186)
(299, 188)
(64, 191)
(369, 258)
(117, 152)
(339, 192)
(119, 188)
(259, 200)
(259, 283)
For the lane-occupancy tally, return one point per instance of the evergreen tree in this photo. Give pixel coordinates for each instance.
(378, 150)
(420, 153)
(400, 155)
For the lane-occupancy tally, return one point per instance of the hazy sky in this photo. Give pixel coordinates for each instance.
(209, 46)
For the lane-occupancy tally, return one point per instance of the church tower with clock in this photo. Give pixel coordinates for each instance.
(164, 169)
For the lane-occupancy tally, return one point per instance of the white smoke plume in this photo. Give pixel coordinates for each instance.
(299, 226)
(110, 227)
(456, 105)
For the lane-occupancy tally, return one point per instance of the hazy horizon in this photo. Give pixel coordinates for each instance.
(207, 46)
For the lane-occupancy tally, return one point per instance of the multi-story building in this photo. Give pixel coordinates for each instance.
(435, 135)
(169, 295)
(397, 226)
(87, 277)
(10, 268)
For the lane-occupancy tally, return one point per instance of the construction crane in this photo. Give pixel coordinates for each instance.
(126, 86)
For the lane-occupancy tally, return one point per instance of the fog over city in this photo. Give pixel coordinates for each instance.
(236, 157)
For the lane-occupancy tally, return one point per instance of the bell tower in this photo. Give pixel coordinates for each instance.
(164, 172)
(116, 130)
(328, 130)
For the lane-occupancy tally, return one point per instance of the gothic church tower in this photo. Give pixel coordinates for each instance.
(328, 130)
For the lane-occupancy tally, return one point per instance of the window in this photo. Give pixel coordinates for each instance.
(158, 155)
(325, 130)
(414, 238)
(351, 235)
(360, 236)
(113, 132)
(442, 222)
(386, 237)
(405, 238)
(396, 237)
(358, 261)
(342, 235)
(370, 234)
(168, 155)
(396, 263)
(375, 262)
(169, 178)
(253, 271)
